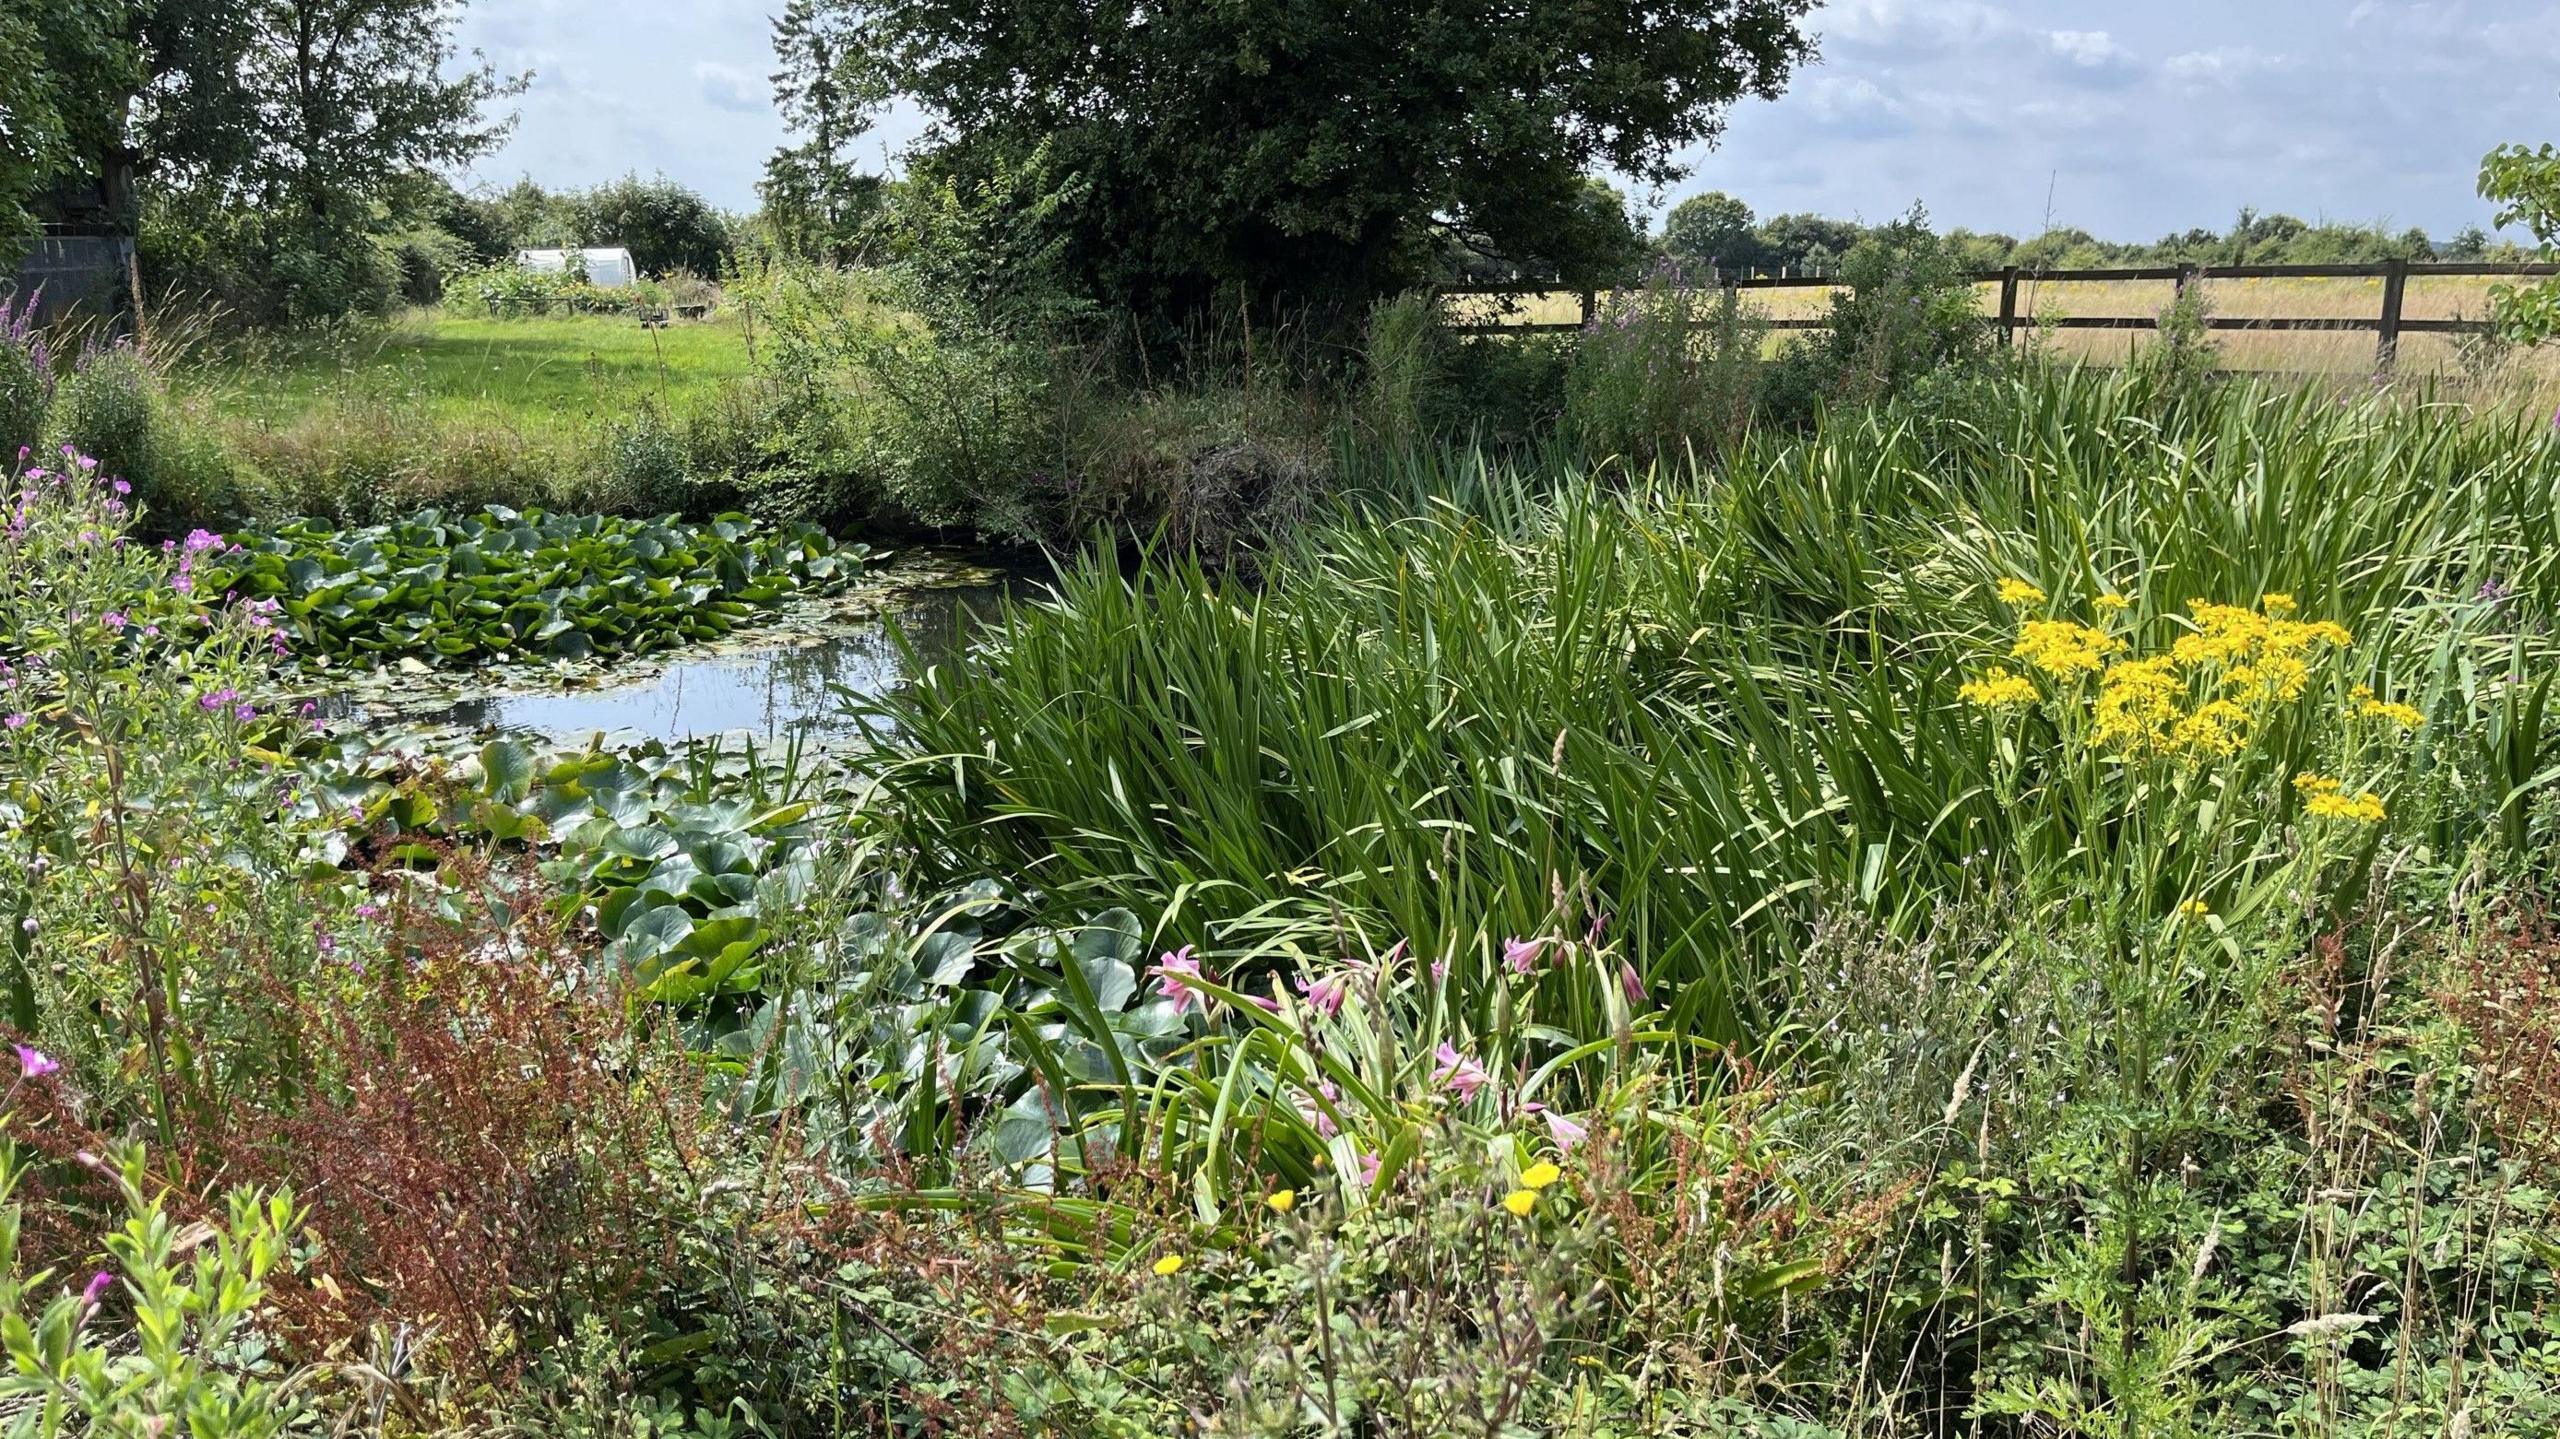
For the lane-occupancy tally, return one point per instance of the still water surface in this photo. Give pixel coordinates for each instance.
(790, 683)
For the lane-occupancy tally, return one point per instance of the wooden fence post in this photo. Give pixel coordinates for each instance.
(2186, 280)
(2008, 303)
(1590, 307)
(2395, 286)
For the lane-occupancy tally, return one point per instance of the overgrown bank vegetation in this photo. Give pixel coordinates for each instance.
(2015, 916)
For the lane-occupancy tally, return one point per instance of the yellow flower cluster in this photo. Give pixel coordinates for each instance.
(1998, 689)
(2262, 656)
(2326, 798)
(2063, 649)
(2400, 716)
(2198, 699)
(2137, 706)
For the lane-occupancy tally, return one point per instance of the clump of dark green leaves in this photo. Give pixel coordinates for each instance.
(503, 584)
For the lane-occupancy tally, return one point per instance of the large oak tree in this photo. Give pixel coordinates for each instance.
(1310, 151)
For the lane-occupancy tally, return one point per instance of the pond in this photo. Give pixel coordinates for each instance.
(796, 677)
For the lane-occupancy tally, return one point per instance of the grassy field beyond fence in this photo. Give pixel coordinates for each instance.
(2343, 352)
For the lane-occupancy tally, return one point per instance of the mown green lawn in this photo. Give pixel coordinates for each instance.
(531, 374)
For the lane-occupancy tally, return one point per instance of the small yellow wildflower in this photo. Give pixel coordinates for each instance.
(2137, 704)
(2217, 729)
(1997, 690)
(1168, 1266)
(2063, 649)
(2196, 909)
(2363, 808)
(2312, 785)
(2112, 601)
(1283, 1200)
(2276, 604)
(1540, 1175)
(2019, 592)
(2407, 717)
(1520, 1202)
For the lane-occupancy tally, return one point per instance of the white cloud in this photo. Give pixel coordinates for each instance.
(2224, 65)
(728, 87)
(2086, 48)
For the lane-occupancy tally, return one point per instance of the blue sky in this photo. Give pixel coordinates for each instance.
(2127, 119)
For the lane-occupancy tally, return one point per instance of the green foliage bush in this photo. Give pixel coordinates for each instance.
(258, 268)
(1661, 370)
(26, 381)
(1906, 312)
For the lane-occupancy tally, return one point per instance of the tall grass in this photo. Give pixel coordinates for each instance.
(1688, 711)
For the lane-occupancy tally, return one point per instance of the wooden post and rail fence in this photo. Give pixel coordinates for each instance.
(2387, 327)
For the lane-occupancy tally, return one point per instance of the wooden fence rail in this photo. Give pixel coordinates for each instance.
(2387, 327)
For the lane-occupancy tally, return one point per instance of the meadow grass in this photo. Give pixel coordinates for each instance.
(2528, 379)
(534, 375)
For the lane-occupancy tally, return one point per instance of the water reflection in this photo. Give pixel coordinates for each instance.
(799, 685)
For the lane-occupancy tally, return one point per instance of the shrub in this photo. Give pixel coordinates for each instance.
(2182, 360)
(645, 467)
(1907, 311)
(267, 269)
(26, 379)
(1661, 369)
(114, 409)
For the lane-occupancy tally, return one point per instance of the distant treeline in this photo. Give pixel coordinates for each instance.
(1718, 229)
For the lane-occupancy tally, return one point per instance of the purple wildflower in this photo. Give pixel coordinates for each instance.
(35, 1063)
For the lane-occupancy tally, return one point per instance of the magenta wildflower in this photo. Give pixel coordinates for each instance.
(1521, 954)
(15, 721)
(1325, 995)
(35, 1063)
(1631, 982)
(1368, 1171)
(1459, 1073)
(1171, 971)
(92, 1293)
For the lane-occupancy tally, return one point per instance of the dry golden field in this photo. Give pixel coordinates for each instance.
(2339, 353)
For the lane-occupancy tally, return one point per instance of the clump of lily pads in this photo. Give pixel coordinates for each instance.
(501, 584)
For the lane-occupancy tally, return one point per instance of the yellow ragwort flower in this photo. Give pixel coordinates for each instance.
(1520, 1202)
(2019, 592)
(1998, 689)
(2063, 649)
(1540, 1175)
(1283, 1200)
(2364, 807)
(2311, 785)
(2136, 706)
(2216, 730)
(2113, 601)
(2407, 717)
(1168, 1266)
(2276, 604)
(2196, 909)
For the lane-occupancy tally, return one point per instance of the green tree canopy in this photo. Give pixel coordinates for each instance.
(1309, 153)
(1712, 229)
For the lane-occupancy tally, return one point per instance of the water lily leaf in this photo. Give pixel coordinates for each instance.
(507, 769)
